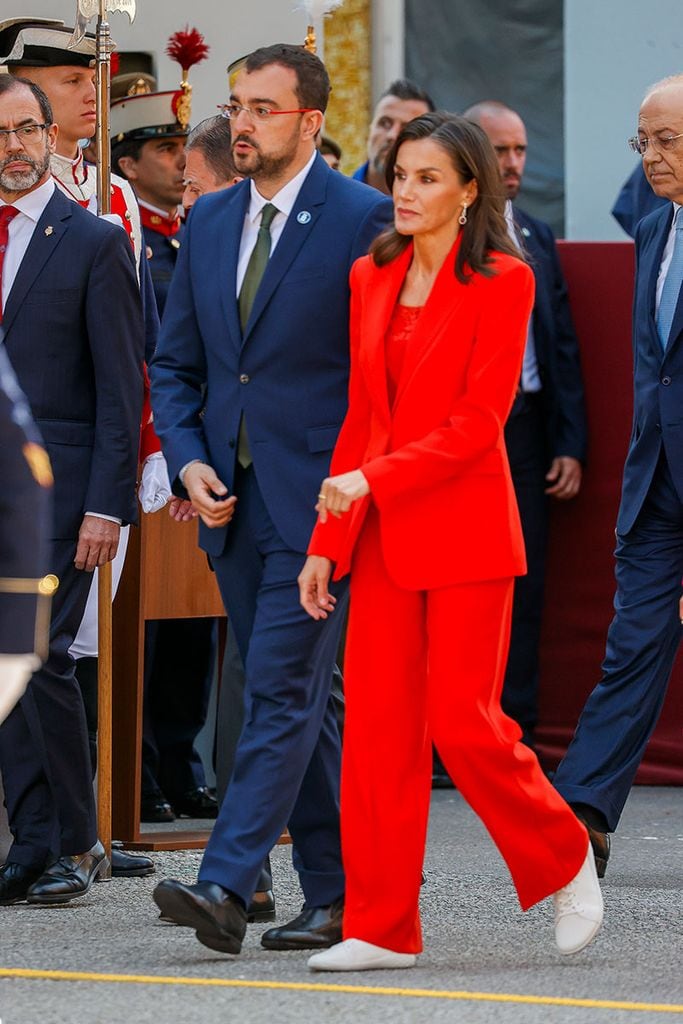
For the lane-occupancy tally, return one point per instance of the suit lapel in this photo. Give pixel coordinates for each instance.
(230, 235)
(44, 241)
(300, 223)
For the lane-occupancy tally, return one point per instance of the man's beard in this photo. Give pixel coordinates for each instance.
(256, 164)
(22, 181)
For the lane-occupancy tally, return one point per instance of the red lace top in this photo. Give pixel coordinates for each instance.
(398, 338)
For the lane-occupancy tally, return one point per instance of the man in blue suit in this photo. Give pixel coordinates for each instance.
(249, 388)
(73, 327)
(621, 712)
(635, 200)
(546, 432)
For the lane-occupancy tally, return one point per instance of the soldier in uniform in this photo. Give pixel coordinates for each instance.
(148, 149)
(149, 132)
(25, 590)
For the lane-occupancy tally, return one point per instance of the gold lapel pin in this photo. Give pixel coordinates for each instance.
(48, 230)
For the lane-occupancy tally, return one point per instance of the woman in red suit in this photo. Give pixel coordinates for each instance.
(419, 507)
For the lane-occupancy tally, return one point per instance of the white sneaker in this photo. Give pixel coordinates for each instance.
(356, 955)
(579, 909)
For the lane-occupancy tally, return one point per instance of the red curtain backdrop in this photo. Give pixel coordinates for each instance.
(580, 580)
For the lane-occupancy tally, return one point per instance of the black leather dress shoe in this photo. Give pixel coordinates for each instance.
(600, 844)
(69, 877)
(261, 907)
(218, 918)
(156, 809)
(197, 803)
(15, 881)
(314, 928)
(125, 865)
(260, 910)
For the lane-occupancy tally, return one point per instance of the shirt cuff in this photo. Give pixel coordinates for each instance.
(183, 471)
(110, 519)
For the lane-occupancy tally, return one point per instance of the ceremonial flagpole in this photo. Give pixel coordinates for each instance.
(103, 51)
(86, 9)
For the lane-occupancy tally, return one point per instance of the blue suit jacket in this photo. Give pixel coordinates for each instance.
(658, 377)
(557, 349)
(635, 201)
(75, 336)
(288, 374)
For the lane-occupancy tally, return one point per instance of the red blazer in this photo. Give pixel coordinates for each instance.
(436, 463)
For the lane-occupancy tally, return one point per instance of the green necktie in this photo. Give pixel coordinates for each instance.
(258, 262)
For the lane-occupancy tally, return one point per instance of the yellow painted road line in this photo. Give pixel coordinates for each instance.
(362, 990)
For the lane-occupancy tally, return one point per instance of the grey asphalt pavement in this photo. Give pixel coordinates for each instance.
(484, 960)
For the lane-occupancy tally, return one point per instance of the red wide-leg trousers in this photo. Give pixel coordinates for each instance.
(423, 666)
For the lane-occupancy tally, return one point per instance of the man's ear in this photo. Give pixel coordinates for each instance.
(312, 124)
(128, 167)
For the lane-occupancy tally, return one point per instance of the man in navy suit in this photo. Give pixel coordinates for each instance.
(249, 388)
(71, 315)
(635, 200)
(546, 432)
(622, 711)
(24, 524)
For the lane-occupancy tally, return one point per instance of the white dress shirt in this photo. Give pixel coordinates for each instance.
(531, 379)
(284, 200)
(21, 230)
(667, 256)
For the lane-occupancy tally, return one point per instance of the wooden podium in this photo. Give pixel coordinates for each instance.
(166, 576)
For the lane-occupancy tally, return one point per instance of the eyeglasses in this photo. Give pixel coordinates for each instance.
(662, 143)
(27, 133)
(233, 110)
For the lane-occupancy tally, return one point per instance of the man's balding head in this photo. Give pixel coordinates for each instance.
(507, 134)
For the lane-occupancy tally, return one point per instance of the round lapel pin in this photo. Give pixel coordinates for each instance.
(303, 217)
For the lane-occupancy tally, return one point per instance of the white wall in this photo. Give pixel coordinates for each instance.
(230, 29)
(614, 49)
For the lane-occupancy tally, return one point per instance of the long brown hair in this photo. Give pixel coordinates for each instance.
(473, 157)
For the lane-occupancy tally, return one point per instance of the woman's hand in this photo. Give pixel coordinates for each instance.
(313, 581)
(338, 493)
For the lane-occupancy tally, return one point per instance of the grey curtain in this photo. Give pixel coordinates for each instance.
(462, 51)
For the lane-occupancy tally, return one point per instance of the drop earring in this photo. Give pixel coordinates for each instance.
(462, 219)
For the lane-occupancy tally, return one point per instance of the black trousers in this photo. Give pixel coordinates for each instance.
(525, 439)
(180, 655)
(44, 756)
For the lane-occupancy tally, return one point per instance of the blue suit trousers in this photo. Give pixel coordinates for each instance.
(622, 711)
(287, 761)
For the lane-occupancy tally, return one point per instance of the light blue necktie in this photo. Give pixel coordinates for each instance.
(672, 286)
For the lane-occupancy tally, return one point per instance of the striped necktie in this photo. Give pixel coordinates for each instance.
(672, 286)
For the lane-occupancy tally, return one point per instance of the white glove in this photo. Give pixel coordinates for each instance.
(155, 487)
(113, 218)
(15, 672)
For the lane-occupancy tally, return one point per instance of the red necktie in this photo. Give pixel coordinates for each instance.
(7, 213)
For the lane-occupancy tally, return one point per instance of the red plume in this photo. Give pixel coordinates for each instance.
(187, 47)
(115, 63)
